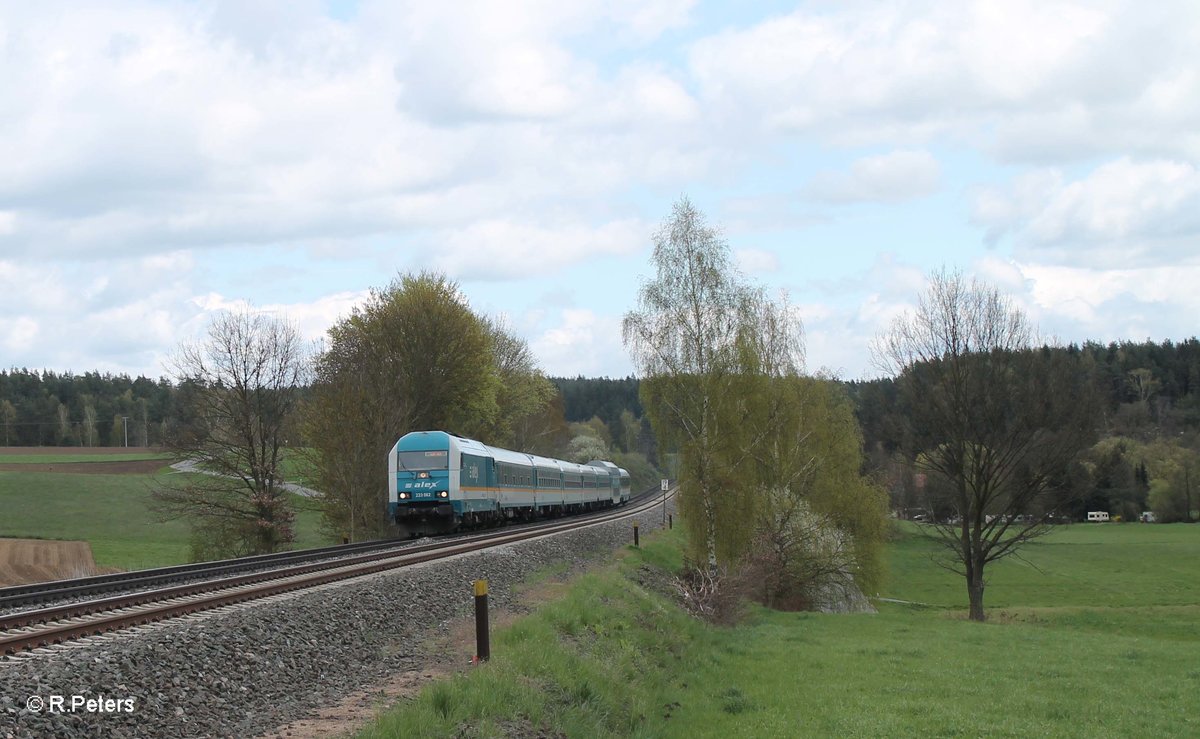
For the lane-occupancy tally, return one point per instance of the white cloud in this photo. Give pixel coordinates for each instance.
(141, 144)
(502, 249)
(312, 318)
(18, 334)
(1123, 212)
(584, 343)
(210, 124)
(889, 178)
(1004, 74)
(752, 261)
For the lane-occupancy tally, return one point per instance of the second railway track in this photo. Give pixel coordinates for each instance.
(32, 629)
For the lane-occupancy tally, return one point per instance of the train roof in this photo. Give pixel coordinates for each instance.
(424, 440)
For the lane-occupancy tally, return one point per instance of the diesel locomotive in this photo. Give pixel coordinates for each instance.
(439, 482)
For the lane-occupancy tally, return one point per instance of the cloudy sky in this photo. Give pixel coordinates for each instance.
(160, 161)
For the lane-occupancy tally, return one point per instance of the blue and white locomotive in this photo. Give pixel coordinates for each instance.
(438, 482)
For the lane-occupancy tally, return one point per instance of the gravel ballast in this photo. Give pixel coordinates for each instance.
(248, 670)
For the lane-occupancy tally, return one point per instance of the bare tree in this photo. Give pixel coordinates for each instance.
(244, 379)
(991, 420)
(142, 424)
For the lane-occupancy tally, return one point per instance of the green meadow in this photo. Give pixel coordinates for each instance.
(1092, 633)
(112, 513)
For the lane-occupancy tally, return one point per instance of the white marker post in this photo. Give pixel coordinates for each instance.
(665, 484)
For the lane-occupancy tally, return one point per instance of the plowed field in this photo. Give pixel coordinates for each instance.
(37, 560)
(134, 467)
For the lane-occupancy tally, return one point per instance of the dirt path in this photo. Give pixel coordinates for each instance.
(38, 560)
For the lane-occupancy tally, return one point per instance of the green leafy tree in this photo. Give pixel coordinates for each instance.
(523, 392)
(585, 448)
(819, 524)
(545, 432)
(414, 357)
(1174, 481)
(630, 427)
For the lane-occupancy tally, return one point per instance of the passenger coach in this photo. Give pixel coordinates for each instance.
(438, 482)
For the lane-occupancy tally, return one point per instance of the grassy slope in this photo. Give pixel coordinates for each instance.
(109, 511)
(1094, 636)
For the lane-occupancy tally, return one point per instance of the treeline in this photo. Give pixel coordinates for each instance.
(93, 409)
(1146, 389)
(1146, 455)
(611, 410)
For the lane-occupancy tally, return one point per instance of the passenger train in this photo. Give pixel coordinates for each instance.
(439, 482)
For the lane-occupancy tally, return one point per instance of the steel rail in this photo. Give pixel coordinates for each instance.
(31, 594)
(33, 629)
(18, 595)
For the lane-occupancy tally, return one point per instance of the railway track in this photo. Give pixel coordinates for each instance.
(58, 624)
(18, 596)
(25, 595)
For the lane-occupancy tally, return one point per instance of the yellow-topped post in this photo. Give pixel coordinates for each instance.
(483, 647)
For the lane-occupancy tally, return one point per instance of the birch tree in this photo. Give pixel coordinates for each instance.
(699, 337)
(89, 422)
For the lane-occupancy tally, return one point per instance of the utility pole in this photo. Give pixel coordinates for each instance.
(125, 424)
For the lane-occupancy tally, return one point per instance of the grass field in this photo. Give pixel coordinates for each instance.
(1093, 635)
(109, 511)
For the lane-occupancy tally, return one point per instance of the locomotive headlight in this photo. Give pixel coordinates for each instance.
(422, 475)
(444, 494)
(403, 496)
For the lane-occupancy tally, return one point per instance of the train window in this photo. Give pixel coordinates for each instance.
(426, 460)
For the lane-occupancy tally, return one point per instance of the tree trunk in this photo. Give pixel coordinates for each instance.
(975, 590)
(710, 531)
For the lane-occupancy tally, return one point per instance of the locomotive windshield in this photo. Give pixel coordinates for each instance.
(435, 460)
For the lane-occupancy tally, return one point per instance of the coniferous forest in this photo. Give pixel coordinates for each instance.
(1145, 457)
